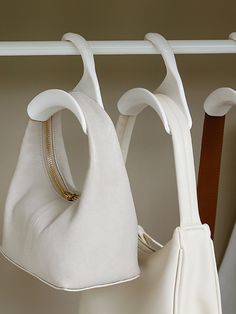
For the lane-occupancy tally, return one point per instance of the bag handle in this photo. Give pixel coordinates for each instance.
(209, 169)
(216, 106)
(181, 140)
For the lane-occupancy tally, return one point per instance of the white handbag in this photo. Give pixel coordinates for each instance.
(180, 277)
(71, 240)
(227, 275)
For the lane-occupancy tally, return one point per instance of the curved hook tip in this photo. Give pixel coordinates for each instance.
(135, 100)
(47, 103)
(220, 101)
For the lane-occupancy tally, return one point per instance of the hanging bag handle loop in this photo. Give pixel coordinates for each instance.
(177, 122)
(181, 140)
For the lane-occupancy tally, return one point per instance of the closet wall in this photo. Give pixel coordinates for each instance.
(150, 162)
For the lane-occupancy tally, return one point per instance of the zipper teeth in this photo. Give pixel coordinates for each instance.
(53, 170)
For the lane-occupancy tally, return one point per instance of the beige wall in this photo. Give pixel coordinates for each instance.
(150, 163)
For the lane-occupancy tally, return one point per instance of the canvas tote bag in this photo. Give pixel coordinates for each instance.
(71, 239)
(180, 277)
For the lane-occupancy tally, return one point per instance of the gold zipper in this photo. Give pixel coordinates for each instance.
(52, 167)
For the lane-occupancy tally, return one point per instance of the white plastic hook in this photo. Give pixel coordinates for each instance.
(233, 36)
(44, 105)
(136, 99)
(47, 103)
(89, 82)
(172, 85)
(220, 101)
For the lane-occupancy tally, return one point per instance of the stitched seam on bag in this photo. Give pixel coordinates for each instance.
(178, 282)
(205, 230)
(63, 288)
(179, 271)
(194, 227)
(215, 277)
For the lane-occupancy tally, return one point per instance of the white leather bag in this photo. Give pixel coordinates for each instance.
(71, 240)
(227, 275)
(180, 277)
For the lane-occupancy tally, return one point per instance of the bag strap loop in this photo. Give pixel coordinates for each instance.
(181, 139)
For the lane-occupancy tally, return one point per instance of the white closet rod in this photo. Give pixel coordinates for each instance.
(114, 47)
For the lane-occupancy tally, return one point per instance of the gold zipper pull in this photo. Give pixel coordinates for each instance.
(71, 196)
